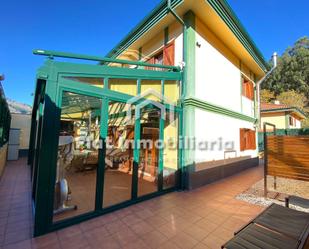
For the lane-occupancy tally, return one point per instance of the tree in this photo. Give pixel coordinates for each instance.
(267, 96)
(292, 72)
(292, 98)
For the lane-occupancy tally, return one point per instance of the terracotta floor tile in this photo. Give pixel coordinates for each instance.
(184, 241)
(154, 239)
(115, 226)
(46, 241)
(138, 243)
(168, 245)
(196, 232)
(26, 244)
(142, 228)
(202, 218)
(213, 242)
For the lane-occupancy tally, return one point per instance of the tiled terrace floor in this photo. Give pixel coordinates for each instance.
(203, 218)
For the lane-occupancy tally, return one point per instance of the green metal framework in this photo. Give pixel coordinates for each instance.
(5, 118)
(50, 87)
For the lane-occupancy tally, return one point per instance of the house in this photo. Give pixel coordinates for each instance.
(282, 116)
(191, 70)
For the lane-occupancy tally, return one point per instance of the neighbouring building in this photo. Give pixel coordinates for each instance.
(5, 119)
(187, 72)
(282, 116)
(21, 124)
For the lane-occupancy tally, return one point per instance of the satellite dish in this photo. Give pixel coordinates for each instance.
(2, 77)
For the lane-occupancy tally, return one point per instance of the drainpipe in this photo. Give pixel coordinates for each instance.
(184, 74)
(258, 85)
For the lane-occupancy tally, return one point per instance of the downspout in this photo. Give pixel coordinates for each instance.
(258, 84)
(183, 85)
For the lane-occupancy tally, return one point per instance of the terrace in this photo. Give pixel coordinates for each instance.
(202, 218)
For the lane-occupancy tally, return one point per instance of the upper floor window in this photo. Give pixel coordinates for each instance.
(165, 57)
(247, 88)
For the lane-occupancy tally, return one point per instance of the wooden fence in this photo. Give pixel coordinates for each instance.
(285, 156)
(288, 157)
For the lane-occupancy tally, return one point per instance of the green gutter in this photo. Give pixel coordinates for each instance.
(217, 109)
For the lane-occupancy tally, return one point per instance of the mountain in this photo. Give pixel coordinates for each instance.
(16, 107)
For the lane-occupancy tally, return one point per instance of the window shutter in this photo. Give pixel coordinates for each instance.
(252, 140)
(242, 139)
(169, 54)
(251, 91)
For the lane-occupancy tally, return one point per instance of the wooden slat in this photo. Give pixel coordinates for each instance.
(288, 156)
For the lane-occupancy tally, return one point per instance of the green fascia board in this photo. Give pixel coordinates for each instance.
(225, 11)
(157, 14)
(217, 109)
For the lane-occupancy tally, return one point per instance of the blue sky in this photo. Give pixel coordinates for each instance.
(95, 26)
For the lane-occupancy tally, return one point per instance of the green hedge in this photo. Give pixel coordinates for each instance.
(282, 132)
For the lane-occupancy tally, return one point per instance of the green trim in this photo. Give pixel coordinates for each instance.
(160, 12)
(226, 13)
(287, 121)
(189, 86)
(103, 60)
(193, 102)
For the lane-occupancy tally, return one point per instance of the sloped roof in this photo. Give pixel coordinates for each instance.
(270, 107)
(220, 6)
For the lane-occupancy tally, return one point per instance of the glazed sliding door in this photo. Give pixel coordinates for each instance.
(118, 154)
(78, 155)
(148, 143)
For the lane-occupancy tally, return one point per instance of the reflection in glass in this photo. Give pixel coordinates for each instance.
(98, 82)
(75, 185)
(127, 86)
(171, 91)
(119, 155)
(154, 89)
(149, 153)
(170, 151)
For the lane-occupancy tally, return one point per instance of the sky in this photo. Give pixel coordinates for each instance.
(94, 27)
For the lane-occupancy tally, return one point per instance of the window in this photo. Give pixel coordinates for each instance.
(247, 88)
(247, 139)
(165, 57)
(291, 121)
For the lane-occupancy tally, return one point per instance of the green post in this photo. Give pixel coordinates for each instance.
(188, 91)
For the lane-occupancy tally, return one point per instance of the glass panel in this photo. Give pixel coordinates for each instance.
(126, 86)
(77, 162)
(170, 151)
(119, 155)
(171, 91)
(154, 88)
(149, 153)
(98, 82)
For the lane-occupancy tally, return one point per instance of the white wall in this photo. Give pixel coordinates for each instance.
(212, 127)
(217, 79)
(22, 122)
(218, 74)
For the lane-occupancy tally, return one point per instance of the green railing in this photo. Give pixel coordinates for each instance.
(282, 132)
(5, 118)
